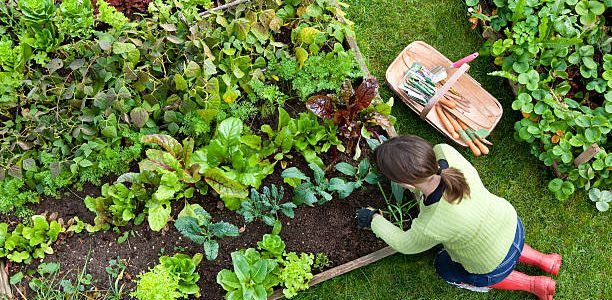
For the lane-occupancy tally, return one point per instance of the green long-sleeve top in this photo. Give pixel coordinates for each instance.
(477, 232)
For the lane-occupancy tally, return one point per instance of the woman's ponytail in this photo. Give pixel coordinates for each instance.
(456, 185)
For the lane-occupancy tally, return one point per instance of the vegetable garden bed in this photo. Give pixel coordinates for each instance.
(328, 228)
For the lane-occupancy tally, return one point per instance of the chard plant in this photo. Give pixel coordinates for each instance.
(196, 224)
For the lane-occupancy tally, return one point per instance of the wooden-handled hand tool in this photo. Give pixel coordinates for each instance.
(463, 134)
(483, 149)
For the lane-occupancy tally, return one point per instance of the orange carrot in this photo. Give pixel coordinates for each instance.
(464, 135)
(448, 103)
(483, 149)
(447, 124)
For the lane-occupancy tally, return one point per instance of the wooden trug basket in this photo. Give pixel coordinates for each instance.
(458, 79)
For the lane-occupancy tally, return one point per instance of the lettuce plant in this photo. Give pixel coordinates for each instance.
(272, 244)
(196, 224)
(173, 278)
(184, 268)
(116, 206)
(253, 277)
(296, 273)
(26, 243)
(76, 18)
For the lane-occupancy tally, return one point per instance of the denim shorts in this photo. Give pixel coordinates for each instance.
(454, 272)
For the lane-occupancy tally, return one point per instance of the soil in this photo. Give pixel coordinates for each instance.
(130, 7)
(330, 229)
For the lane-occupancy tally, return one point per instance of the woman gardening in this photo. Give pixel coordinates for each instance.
(481, 234)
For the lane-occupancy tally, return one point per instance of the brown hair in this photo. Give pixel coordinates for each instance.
(410, 159)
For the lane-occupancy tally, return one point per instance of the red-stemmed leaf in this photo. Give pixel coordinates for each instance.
(321, 105)
(364, 95)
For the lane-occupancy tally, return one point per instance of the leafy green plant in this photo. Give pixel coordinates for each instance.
(48, 283)
(253, 277)
(266, 205)
(231, 162)
(76, 18)
(305, 191)
(350, 112)
(173, 278)
(601, 198)
(116, 206)
(37, 17)
(557, 51)
(196, 224)
(13, 196)
(273, 245)
(184, 268)
(363, 173)
(116, 270)
(316, 73)
(26, 243)
(321, 261)
(157, 284)
(296, 273)
(304, 134)
(111, 16)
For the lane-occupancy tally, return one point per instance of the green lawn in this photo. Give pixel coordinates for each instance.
(573, 228)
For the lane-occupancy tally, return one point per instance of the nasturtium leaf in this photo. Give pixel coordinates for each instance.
(180, 82)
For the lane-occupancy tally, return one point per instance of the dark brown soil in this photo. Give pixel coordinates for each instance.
(330, 229)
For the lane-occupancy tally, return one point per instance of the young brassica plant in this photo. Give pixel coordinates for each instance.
(196, 224)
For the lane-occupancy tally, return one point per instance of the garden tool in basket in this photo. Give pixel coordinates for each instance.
(439, 72)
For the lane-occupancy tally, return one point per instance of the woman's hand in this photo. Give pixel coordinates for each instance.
(364, 217)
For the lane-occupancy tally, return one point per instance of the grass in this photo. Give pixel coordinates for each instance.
(572, 228)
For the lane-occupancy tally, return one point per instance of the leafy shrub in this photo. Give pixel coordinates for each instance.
(601, 198)
(266, 205)
(196, 224)
(558, 51)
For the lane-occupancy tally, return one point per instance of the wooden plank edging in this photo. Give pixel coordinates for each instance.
(5, 287)
(343, 269)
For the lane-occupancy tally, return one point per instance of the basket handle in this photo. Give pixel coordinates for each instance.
(440, 93)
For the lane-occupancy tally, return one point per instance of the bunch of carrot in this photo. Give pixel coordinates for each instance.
(458, 129)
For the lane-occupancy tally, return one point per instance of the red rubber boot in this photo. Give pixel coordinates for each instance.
(541, 286)
(549, 263)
